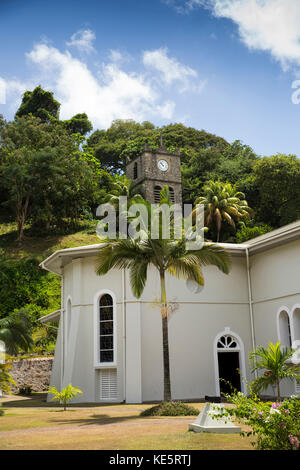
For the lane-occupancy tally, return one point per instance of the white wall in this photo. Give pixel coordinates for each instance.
(275, 277)
(81, 285)
(193, 326)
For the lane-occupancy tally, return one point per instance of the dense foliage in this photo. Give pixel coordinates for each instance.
(15, 332)
(6, 381)
(275, 362)
(24, 284)
(274, 426)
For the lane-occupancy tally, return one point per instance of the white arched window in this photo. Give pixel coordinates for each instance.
(2, 352)
(284, 328)
(296, 323)
(68, 321)
(105, 329)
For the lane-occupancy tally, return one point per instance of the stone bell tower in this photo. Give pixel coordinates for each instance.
(152, 170)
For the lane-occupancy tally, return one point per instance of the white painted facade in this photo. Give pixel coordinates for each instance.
(245, 305)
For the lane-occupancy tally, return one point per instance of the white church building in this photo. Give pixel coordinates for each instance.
(109, 343)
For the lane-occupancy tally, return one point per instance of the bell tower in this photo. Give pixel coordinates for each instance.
(152, 170)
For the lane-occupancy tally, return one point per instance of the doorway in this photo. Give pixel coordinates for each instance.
(229, 376)
(229, 360)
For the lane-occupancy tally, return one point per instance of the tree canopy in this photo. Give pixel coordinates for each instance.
(39, 103)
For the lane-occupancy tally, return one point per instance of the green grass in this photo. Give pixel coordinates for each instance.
(41, 246)
(31, 423)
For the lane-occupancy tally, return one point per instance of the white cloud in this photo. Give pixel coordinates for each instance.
(266, 25)
(2, 91)
(108, 91)
(83, 40)
(170, 70)
(116, 56)
(13, 92)
(114, 95)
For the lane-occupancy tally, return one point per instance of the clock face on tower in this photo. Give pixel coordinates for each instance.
(163, 165)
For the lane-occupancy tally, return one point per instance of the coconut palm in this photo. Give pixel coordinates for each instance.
(15, 332)
(126, 188)
(222, 203)
(167, 256)
(123, 188)
(275, 361)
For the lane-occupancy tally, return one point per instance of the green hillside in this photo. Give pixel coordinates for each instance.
(23, 284)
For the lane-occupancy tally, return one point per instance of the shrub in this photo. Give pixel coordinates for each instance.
(26, 390)
(66, 395)
(5, 378)
(247, 233)
(275, 426)
(170, 408)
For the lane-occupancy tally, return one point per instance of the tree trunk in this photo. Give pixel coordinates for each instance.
(21, 215)
(278, 390)
(165, 334)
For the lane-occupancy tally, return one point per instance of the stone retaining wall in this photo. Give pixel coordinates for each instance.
(34, 373)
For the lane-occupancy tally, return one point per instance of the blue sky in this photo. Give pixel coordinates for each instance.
(226, 66)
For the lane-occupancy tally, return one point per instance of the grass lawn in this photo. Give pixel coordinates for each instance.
(30, 423)
(41, 246)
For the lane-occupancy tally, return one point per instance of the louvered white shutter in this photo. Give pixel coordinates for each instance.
(108, 384)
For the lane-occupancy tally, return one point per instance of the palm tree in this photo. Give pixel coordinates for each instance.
(275, 361)
(15, 332)
(167, 256)
(222, 203)
(126, 188)
(123, 188)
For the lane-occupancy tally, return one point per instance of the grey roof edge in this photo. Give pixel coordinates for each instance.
(51, 317)
(276, 237)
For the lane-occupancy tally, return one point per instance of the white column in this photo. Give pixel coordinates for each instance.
(133, 353)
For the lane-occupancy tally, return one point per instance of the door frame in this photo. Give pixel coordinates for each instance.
(240, 349)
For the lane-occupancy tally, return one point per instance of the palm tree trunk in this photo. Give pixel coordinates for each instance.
(278, 390)
(165, 334)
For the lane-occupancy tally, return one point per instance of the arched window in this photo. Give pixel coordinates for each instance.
(227, 342)
(296, 323)
(2, 354)
(106, 329)
(67, 324)
(135, 171)
(157, 190)
(172, 195)
(284, 329)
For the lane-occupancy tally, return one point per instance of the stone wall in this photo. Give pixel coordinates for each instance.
(34, 373)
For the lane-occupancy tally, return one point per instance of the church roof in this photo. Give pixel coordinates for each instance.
(60, 258)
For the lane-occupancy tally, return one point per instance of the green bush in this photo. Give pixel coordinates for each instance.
(275, 426)
(24, 284)
(172, 408)
(66, 395)
(247, 233)
(26, 390)
(6, 381)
